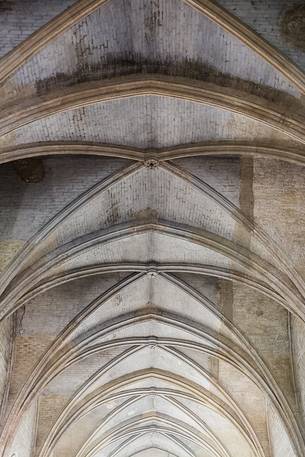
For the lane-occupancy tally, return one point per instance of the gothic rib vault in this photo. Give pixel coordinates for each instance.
(152, 244)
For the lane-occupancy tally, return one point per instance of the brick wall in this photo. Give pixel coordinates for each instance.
(20, 18)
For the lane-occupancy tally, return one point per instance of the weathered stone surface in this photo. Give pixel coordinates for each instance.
(293, 25)
(151, 231)
(30, 170)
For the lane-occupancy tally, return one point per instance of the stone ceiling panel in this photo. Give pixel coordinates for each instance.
(20, 18)
(146, 122)
(149, 311)
(266, 18)
(124, 37)
(64, 179)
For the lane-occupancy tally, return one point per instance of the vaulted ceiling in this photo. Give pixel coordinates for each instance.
(152, 237)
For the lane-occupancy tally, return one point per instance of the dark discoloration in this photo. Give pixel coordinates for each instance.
(112, 66)
(6, 5)
(146, 215)
(293, 25)
(30, 170)
(152, 21)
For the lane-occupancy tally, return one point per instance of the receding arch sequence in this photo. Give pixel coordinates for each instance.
(282, 262)
(258, 268)
(153, 340)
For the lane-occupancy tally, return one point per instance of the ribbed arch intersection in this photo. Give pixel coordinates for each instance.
(150, 308)
(144, 350)
(156, 329)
